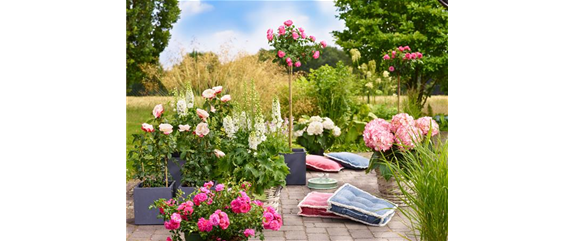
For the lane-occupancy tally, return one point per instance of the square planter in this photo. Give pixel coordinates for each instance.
(174, 168)
(144, 197)
(296, 162)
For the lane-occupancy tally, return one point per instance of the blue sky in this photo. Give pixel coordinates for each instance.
(241, 26)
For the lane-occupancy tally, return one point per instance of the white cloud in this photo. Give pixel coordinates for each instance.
(190, 8)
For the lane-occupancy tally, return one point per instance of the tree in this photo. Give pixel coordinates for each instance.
(377, 26)
(147, 34)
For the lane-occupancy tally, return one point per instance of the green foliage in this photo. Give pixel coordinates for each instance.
(147, 34)
(376, 26)
(329, 56)
(426, 173)
(385, 111)
(442, 121)
(412, 106)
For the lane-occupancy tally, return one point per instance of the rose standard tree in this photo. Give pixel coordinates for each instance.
(401, 61)
(294, 47)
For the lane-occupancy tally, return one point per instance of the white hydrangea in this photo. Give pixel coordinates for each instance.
(328, 124)
(336, 131)
(229, 126)
(315, 118)
(298, 133)
(181, 108)
(315, 128)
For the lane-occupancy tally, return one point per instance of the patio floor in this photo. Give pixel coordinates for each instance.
(296, 227)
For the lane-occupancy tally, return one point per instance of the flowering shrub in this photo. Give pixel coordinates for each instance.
(401, 59)
(227, 213)
(316, 134)
(293, 45)
(152, 150)
(391, 140)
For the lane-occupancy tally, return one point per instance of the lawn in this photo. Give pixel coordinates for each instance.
(438, 103)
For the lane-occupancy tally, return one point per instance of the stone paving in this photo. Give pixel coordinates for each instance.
(296, 227)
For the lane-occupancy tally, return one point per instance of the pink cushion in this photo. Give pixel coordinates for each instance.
(321, 163)
(315, 205)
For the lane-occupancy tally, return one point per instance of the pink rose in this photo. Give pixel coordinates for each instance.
(202, 129)
(420, 55)
(270, 37)
(208, 184)
(212, 109)
(175, 217)
(219, 187)
(202, 114)
(316, 55)
(295, 35)
(407, 56)
(204, 225)
(217, 89)
(391, 68)
(208, 93)
(401, 48)
(393, 54)
(386, 57)
(171, 225)
(289, 62)
(199, 198)
(157, 111)
(185, 127)
(223, 220)
(323, 44)
(166, 128)
(168, 239)
(288, 23)
(303, 35)
(274, 225)
(267, 218)
(218, 153)
(297, 64)
(258, 203)
(312, 38)
(301, 30)
(186, 208)
(281, 30)
(226, 98)
(269, 31)
(214, 219)
(281, 54)
(249, 232)
(147, 127)
(407, 48)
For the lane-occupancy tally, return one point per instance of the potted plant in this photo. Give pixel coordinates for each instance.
(198, 137)
(316, 134)
(294, 47)
(391, 141)
(226, 213)
(151, 154)
(184, 102)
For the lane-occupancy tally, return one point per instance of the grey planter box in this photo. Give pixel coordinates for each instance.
(174, 168)
(297, 164)
(144, 197)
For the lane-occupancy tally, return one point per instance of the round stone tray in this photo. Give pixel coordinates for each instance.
(322, 183)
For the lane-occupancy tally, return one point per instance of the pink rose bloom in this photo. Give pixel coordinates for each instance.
(267, 218)
(312, 38)
(218, 153)
(199, 198)
(407, 48)
(393, 54)
(401, 119)
(214, 218)
(202, 129)
(391, 68)
(226, 98)
(323, 44)
(212, 109)
(420, 55)
(295, 35)
(175, 217)
(281, 30)
(289, 62)
(204, 190)
(168, 239)
(245, 207)
(269, 31)
(204, 225)
(217, 89)
(185, 127)
(303, 35)
(219, 187)
(281, 54)
(209, 201)
(171, 225)
(297, 64)
(223, 220)
(249, 232)
(147, 127)
(377, 135)
(208, 184)
(166, 128)
(258, 203)
(270, 37)
(386, 57)
(271, 210)
(427, 123)
(208, 93)
(301, 30)
(288, 23)
(401, 48)
(274, 225)
(407, 56)
(408, 136)
(316, 55)
(186, 209)
(157, 111)
(202, 114)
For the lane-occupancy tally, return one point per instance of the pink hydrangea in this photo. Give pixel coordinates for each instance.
(425, 124)
(186, 209)
(377, 135)
(204, 225)
(219, 187)
(408, 136)
(199, 198)
(401, 119)
(249, 232)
